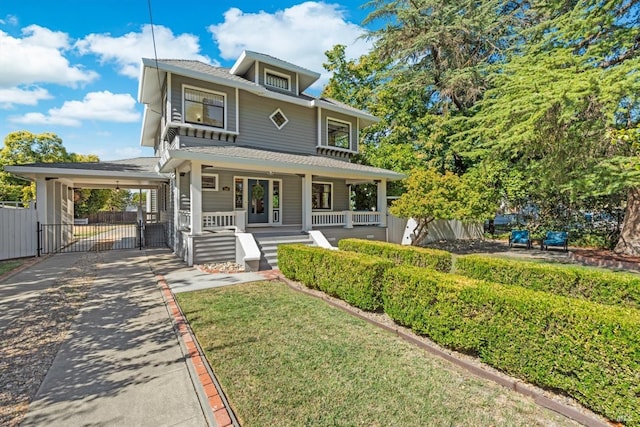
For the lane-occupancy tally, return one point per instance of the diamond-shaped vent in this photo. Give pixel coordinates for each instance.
(279, 119)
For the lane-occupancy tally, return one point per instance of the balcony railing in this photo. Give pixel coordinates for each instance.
(346, 219)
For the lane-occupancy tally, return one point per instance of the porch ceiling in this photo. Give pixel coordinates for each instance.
(129, 173)
(241, 158)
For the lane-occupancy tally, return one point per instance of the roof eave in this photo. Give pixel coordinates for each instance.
(223, 161)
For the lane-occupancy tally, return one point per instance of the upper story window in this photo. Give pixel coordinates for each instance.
(277, 80)
(205, 108)
(338, 134)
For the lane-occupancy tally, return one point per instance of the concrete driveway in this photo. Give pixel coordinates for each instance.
(121, 363)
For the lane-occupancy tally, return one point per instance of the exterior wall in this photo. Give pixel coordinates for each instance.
(185, 202)
(257, 130)
(178, 81)
(334, 235)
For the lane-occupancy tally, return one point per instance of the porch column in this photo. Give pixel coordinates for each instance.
(306, 202)
(176, 207)
(41, 199)
(382, 201)
(196, 198)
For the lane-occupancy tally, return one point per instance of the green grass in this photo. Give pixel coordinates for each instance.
(288, 359)
(6, 266)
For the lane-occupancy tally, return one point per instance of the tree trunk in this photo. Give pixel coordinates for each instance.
(629, 242)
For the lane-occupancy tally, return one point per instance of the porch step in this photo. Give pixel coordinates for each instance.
(214, 247)
(268, 244)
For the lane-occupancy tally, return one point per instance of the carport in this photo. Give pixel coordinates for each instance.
(55, 184)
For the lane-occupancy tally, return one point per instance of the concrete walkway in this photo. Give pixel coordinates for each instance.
(121, 363)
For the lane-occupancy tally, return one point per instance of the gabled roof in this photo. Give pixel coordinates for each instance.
(248, 58)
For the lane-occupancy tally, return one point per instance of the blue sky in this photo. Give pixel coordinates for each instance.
(71, 67)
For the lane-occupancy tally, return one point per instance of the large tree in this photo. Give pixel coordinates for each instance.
(25, 147)
(555, 102)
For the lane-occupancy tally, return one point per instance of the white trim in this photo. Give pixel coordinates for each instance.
(216, 187)
(213, 92)
(286, 120)
(349, 125)
(330, 208)
(256, 73)
(169, 93)
(357, 143)
(237, 110)
(319, 144)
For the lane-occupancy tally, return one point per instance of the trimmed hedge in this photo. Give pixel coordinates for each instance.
(586, 350)
(573, 281)
(409, 255)
(352, 277)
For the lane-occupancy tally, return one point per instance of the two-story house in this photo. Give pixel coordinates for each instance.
(245, 149)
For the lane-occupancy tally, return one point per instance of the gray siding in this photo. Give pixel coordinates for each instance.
(325, 114)
(292, 200)
(219, 201)
(185, 191)
(176, 97)
(257, 130)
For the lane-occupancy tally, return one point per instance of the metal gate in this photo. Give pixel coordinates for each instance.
(60, 238)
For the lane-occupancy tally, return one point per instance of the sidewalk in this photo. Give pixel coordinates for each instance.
(121, 363)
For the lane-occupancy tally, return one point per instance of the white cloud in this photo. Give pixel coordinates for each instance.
(9, 20)
(38, 57)
(299, 34)
(127, 50)
(98, 106)
(15, 95)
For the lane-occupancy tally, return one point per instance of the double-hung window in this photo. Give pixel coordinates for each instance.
(338, 134)
(321, 195)
(204, 108)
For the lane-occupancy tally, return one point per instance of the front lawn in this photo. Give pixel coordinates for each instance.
(285, 358)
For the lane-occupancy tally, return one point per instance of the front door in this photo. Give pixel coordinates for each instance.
(258, 201)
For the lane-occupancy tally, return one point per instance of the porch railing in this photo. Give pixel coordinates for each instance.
(214, 220)
(345, 219)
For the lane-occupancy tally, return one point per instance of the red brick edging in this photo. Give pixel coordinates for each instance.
(213, 393)
(607, 263)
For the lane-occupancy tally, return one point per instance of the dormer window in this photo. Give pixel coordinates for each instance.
(277, 80)
(204, 107)
(338, 134)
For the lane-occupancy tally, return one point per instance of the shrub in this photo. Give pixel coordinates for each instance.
(409, 255)
(574, 281)
(588, 351)
(352, 277)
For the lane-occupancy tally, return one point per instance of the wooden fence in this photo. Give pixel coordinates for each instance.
(399, 230)
(17, 232)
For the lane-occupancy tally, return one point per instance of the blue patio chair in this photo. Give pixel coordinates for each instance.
(520, 237)
(556, 239)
